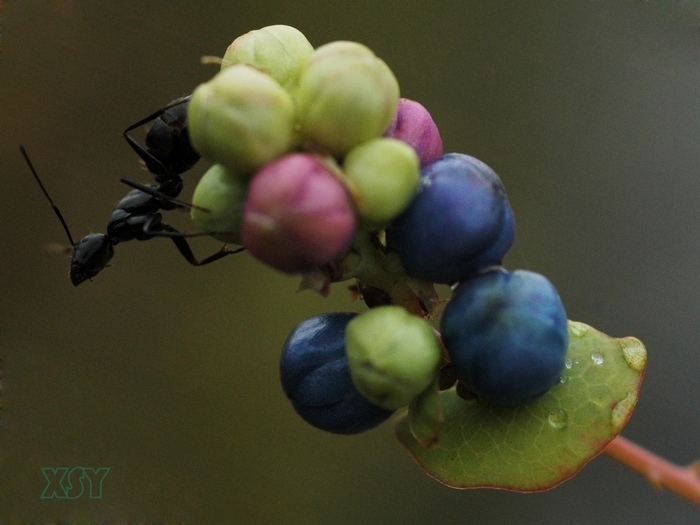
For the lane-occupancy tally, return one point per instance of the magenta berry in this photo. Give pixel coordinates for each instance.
(414, 126)
(298, 215)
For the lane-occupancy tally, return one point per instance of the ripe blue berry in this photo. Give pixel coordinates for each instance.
(507, 336)
(316, 378)
(459, 221)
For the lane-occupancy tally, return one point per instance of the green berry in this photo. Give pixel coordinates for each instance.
(346, 96)
(342, 49)
(280, 51)
(222, 193)
(241, 118)
(384, 175)
(393, 355)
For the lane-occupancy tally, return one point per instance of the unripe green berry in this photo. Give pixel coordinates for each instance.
(241, 118)
(280, 51)
(346, 96)
(393, 355)
(384, 175)
(222, 193)
(342, 48)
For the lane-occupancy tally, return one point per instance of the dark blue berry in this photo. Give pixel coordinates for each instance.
(507, 335)
(316, 378)
(459, 221)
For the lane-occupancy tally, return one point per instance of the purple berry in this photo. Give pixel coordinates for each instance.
(298, 215)
(414, 126)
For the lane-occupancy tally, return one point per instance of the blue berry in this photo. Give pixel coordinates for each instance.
(459, 221)
(507, 336)
(316, 378)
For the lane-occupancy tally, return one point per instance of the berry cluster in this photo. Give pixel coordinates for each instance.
(321, 169)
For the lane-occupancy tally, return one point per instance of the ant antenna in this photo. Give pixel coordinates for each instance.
(55, 208)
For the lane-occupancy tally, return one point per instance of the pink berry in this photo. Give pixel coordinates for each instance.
(414, 126)
(298, 215)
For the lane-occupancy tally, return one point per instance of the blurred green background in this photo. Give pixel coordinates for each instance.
(167, 374)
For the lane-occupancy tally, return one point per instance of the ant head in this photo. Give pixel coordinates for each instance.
(90, 255)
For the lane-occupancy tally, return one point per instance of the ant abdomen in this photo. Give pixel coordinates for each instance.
(168, 150)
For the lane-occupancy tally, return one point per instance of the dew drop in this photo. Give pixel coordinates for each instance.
(568, 364)
(558, 418)
(597, 358)
(621, 412)
(634, 353)
(563, 379)
(578, 329)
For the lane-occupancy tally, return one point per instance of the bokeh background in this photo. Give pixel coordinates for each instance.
(167, 374)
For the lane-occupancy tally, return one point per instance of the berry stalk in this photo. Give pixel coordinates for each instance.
(373, 266)
(661, 473)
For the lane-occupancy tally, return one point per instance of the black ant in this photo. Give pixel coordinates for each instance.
(168, 150)
(168, 153)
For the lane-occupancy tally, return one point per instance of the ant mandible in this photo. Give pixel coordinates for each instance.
(168, 153)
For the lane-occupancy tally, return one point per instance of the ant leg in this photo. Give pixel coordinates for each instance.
(154, 228)
(154, 165)
(150, 190)
(157, 114)
(186, 251)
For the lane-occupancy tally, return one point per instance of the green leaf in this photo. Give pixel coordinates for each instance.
(543, 443)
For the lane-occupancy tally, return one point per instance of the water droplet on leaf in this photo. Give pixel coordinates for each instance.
(558, 418)
(621, 412)
(568, 364)
(634, 353)
(597, 358)
(578, 329)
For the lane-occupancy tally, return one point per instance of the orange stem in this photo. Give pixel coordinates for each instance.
(684, 481)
